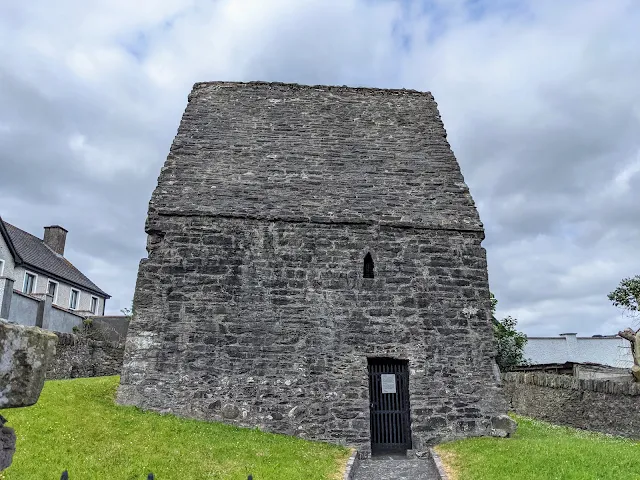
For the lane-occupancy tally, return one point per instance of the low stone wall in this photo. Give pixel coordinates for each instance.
(597, 405)
(77, 356)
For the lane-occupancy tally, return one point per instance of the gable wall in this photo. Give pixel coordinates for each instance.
(5, 255)
(270, 324)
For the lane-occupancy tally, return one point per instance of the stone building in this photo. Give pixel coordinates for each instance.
(39, 286)
(315, 268)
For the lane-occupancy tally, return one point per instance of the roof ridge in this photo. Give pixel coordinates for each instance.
(305, 86)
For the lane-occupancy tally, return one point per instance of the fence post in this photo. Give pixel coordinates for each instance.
(6, 286)
(46, 316)
(44, 311)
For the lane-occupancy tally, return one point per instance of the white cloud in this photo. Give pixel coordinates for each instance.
(539, 99)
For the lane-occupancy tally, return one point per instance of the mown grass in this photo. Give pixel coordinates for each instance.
(76, 426)
(541, 451)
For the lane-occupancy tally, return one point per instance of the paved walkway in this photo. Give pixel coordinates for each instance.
(394, 468)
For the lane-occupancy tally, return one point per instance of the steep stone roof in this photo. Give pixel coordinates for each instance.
(314, 153)
(33, 254)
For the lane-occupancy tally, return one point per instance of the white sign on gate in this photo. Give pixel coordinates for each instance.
(388, 381)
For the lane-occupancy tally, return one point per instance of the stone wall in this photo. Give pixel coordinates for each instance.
(598, 405)
(81, 357)
(271, 324)
(113, 327)
(252, 307)
(36, 310)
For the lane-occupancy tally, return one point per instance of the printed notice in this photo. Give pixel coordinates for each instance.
(388, 381)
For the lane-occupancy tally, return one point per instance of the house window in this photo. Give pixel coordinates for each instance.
(73, 299)
(94, 305)
(52, 289)
(368, 266)
(29, 284)
(1, 267)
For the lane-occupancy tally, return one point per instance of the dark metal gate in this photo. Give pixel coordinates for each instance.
(389, 405)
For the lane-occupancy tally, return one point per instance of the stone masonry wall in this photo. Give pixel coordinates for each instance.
(270, 324)
(252, 307)
(598, 405)
(81, 357)
(314, 154)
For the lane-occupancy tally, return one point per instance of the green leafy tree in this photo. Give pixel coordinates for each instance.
(627, 297)
(510, 342)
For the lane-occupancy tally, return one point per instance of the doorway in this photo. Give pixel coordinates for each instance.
(389, 405)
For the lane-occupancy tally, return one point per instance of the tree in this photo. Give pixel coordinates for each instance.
(510, 342)
(627, 297)
(127, 312)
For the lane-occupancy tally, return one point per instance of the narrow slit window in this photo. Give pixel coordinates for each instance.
(368, 266)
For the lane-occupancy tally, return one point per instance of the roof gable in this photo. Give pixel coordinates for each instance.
(31, 251)
(9, 242)
(314, 153)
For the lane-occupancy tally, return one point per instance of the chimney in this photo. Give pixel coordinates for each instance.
(55, 237)
(572, 346)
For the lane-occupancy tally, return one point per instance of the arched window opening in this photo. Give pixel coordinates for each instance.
(368, 266)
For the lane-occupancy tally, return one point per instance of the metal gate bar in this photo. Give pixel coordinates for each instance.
(389, 412)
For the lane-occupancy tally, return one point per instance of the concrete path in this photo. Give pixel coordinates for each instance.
(394, 468)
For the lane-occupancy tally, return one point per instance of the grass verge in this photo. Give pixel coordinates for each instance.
(76, 426)
(541, 451)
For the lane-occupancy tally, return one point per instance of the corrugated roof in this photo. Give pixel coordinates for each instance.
(35, 253)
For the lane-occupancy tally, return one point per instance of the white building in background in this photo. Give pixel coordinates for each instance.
(35, 267)
(568, 347)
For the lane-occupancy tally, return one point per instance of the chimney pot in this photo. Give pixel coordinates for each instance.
(55, 238)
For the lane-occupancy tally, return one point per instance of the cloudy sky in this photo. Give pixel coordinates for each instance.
(541, 100)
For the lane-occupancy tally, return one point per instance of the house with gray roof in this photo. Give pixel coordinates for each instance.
(34, 267)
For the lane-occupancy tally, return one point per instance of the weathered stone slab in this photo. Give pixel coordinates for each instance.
(503, 426)
(25, 353)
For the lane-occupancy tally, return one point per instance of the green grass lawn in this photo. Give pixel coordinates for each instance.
(542, 451)
(76, 426)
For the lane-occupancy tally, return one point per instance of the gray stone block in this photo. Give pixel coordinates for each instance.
(503, 426)
(25, 353)
(7, 446)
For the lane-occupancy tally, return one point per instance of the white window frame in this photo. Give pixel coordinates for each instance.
(97, 304)
(77, 299)
(55, 297)
(35, 282)
(1, 267)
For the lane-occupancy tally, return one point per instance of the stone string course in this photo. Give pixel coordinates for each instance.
(598, 405)
(251, 308)
(78, 357)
